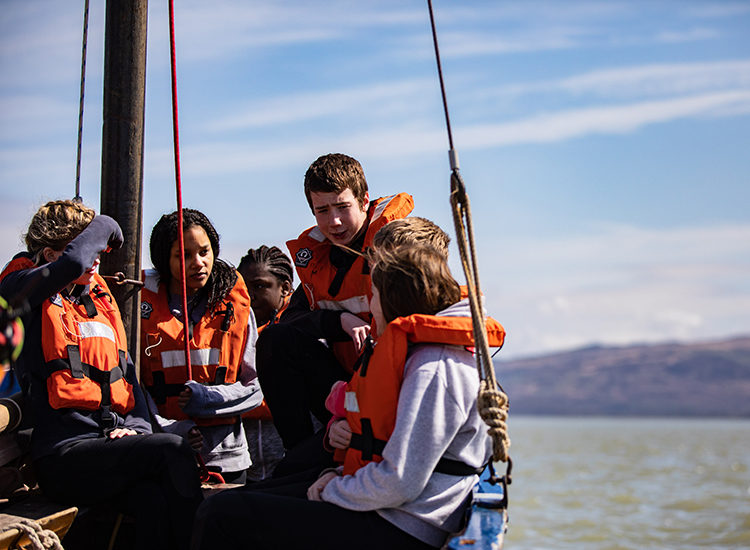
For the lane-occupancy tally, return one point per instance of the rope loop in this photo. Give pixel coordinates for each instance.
(39, 537)
(493, 408)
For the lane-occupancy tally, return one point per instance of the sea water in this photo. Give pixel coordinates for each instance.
(623, 483)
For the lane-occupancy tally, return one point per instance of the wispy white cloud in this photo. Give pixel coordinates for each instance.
(686, 35)
(617, 119)
(622, 284)
(375, 100)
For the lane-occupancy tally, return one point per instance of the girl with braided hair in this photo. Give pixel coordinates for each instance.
(206, 404)
(92, 442)
(268, 274)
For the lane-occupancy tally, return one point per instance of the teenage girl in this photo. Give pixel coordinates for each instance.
(222, 384)
(268, 274)
(92, 440)
(407, 477)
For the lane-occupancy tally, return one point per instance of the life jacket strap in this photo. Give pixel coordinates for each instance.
(366, 443)
(369, 446)
(80, 370)
(88, 304)
(364, 358)
(456, 468)
(160, 390)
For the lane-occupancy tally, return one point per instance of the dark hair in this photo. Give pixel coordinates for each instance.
(166, 232)
(273, 258)
(412, 279)
(333, 173)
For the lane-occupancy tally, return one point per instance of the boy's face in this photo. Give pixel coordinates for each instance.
(339, 215)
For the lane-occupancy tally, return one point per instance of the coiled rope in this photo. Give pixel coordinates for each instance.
(492, 400)
(39, 537)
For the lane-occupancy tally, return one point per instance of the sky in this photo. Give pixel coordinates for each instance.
(604, 144)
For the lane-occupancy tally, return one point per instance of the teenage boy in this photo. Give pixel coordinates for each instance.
(328, 318)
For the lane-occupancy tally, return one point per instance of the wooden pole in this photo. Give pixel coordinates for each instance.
(122, 149)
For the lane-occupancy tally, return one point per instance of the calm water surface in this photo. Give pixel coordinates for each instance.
(613, 483)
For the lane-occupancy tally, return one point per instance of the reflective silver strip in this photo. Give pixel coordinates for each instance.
(151, 280)
(198, 357)
(95, 329)
(357, 304)
(381, 206)
(317, 234)
(350, 402)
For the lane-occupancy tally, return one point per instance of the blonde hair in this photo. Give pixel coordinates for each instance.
(413, 278)
(414, 230)
(56, 224)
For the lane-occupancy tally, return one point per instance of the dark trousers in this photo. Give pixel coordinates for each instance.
(275, 514)
(296, 373)
(153, 478)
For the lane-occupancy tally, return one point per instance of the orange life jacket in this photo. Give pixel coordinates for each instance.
(85, 352)
(262, 412)
(343, 290)
(372, 394)
(22, 260)
(216, 349)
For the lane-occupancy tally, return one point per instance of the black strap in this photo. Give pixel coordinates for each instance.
(364, 358)
(88, 303)
(160, 390)
(366, 442)
(79, 370)
(228, 316)
(368, 445)
(338, 279)
(221, 376)
(456, 468)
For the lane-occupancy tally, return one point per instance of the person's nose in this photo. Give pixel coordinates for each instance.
(334, 218)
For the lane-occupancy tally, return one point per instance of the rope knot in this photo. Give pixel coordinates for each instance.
(39, 537)
(493, 409)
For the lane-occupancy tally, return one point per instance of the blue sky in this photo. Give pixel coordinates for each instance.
(604, 144)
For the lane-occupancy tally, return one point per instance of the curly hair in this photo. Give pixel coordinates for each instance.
(277, 263)
(166, 232)
(56, 224)
(412, 279)
(333, 173)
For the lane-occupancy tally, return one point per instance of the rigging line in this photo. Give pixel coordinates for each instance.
(492, 400)
(452, 153)
(77, 197)
(178, 185)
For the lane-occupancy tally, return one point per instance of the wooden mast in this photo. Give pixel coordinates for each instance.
(122, 149)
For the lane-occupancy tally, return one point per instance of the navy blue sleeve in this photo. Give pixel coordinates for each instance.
(39, 283)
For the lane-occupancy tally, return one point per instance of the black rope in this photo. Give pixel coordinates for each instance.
(78, 198)
(452, 153)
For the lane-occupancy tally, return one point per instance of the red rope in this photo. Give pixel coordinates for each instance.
(176, 133)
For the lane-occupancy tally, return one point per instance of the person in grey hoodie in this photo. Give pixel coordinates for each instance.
(402, 500)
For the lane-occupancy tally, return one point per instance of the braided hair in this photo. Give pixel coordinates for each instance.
(166, 232)
(278, 263)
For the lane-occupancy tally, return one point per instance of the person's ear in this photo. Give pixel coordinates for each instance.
(49, 255)
(366, 201)
(286, 288)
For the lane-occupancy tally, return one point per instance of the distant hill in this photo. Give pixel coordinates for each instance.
(702, 379)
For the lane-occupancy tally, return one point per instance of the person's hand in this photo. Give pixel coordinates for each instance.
(314, 491)
(184, 398)
(195, 439)
(340, 434)
(356, 328)
(118, 433)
